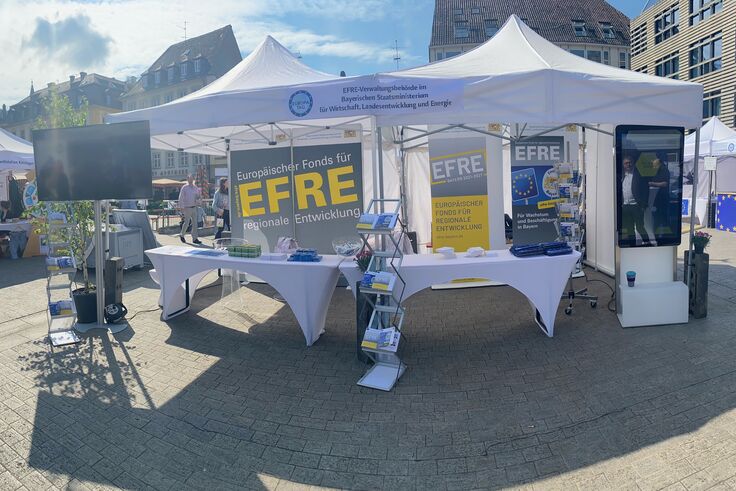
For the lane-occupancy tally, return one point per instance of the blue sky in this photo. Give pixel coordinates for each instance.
(48, 40)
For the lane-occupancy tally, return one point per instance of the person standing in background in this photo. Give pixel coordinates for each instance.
(189, 198)
(221, 204)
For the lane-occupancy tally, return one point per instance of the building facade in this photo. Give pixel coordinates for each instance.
(691, 40)
(183, 68)
(101, 93)
(592, 29)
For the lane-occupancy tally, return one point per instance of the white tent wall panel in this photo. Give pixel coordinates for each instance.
(726, 175)
(600, 200)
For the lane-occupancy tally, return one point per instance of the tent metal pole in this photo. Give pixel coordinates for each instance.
(293, 185)
(596, 129)
(374, 173)
(495, 135)
(379, 149)
(692, 211)
(232, 191)
(427, 133)
(521, 138)
(710, 190)
(402, 193)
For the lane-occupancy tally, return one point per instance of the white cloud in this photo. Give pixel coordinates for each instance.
(140, 30)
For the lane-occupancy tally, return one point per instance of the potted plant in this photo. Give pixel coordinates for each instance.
(363, 259)
(80, 216)
(701, 241)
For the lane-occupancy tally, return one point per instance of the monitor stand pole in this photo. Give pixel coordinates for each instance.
(100, 280)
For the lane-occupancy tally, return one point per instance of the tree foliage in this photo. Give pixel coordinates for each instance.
(58, 112)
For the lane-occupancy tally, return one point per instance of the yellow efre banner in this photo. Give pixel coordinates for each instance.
(460, 222)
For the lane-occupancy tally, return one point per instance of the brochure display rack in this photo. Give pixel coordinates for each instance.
(571, 225)
(383, 280)
(60, 268)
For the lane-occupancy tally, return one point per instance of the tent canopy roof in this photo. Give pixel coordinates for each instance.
(515, 77)
(15, 152)
(715, 138)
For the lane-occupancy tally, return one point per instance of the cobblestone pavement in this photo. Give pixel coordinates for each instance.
(229, 397)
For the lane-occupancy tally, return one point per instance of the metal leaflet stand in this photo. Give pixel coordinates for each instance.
(100, 280)
(387, 310)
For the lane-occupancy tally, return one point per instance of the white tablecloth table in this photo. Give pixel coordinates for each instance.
(19, 226)
(306, 287)
(541, 279)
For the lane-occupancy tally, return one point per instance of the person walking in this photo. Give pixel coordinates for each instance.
(221, 203)
(189, 198)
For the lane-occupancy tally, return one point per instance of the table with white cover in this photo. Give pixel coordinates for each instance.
(19, 226)
(306, 287)
(541, 279)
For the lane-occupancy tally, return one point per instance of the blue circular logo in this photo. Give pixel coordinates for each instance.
(730, 147)
(300, 103)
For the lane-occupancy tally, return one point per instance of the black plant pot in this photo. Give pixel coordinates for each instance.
(86, 304)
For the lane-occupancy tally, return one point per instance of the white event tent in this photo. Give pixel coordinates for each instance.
(716, 140)
(515, 77)
(16, 154)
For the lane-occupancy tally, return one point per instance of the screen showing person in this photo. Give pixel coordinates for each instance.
(107, 161)
(649, 163)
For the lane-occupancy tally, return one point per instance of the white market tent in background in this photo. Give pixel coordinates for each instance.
(515, 77)
(717, 140)
(16, 154)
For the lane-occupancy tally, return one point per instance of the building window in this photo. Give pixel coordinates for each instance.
(155, 101)
(169, 160)
(438, 56)
(156, 160)
(606, 57)
(578, 52)
(183, 71)
(701, 10)
(170, 72)
(643, 69)
(594, 55)
(475, 10)
(450, 54)
(668, 66)
(622, 60)
(491, 26)
(168, 98)
(705, 55)
(457, 12)
(579, 27)
(144, 80)
(157, 77)
(607, 30)
(711, 104)
(461, 29)
(197, 66)
(183, 159)
(667, 24)
(638, 39)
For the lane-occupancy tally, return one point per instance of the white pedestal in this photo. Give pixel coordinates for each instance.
(651, 304)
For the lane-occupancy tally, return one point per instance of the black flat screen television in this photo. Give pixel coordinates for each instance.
(649, 163)
(106, 161)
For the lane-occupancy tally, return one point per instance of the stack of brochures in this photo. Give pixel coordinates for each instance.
(381, 339)
(380, 221)
(378, 280)
(57, 263)
(61, 307)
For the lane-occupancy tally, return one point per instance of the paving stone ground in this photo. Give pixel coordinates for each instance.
(229, 397)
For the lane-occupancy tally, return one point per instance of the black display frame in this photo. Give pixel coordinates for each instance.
(93, 191)
(673, 239)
